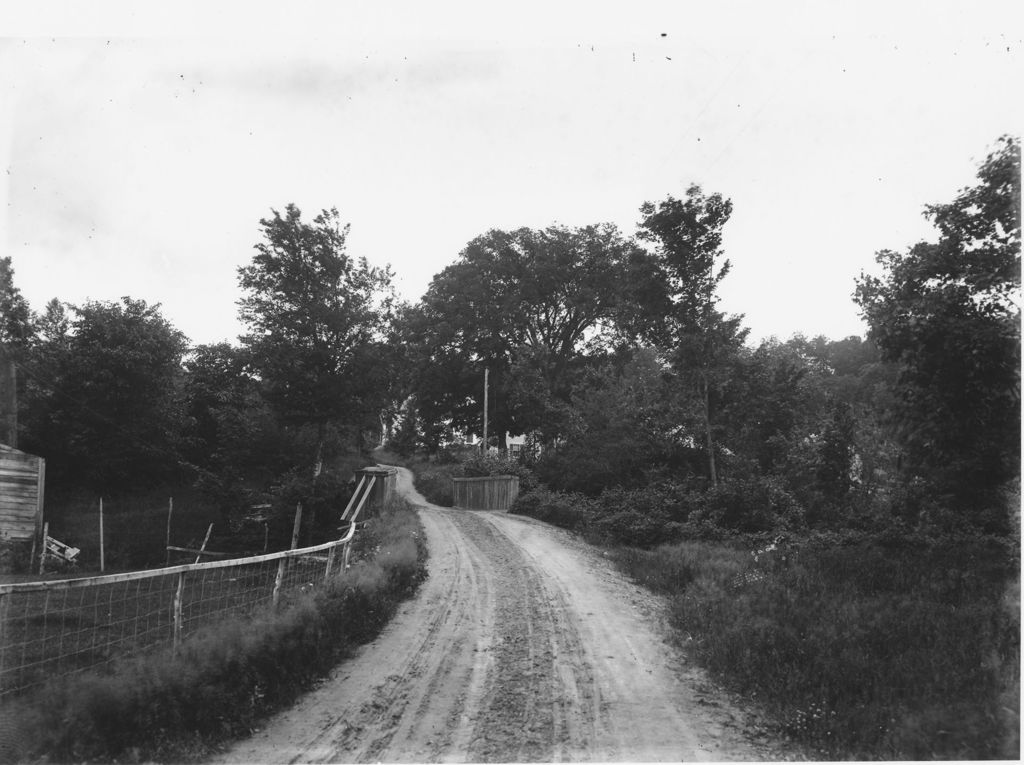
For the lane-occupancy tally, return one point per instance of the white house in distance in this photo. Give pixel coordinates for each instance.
(517, 445)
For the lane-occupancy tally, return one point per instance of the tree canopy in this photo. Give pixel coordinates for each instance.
(315, 316)
(103, 404)
(526, 304)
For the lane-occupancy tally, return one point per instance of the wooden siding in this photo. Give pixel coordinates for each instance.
(495, 492)
(21, 494)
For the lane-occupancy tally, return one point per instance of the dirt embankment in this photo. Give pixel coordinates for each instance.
(523, 645)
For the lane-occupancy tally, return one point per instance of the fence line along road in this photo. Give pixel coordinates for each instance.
(56, 628)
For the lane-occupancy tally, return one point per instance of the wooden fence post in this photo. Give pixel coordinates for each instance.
(42, 554)
(206, 539)
(178, 597)
(102, 559)
(279, 579)
(170, 510)
(330, 563)
(296, 526)
(4, 605)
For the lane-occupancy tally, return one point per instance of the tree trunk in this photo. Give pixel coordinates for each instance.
(705, 394)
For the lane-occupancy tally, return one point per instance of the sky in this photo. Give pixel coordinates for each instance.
(141, 144)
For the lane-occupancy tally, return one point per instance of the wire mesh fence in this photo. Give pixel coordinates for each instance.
(56, 628)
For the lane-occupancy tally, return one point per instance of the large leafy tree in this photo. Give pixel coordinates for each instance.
(948, 313)
(103, 405)
(526, 304)
(687, 238)
(316, 320)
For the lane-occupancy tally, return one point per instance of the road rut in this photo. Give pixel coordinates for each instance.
(523, 645)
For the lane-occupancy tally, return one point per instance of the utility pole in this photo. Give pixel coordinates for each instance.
(486, 373)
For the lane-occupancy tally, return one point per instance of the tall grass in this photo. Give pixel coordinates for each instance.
(181, 706)
(893, 651)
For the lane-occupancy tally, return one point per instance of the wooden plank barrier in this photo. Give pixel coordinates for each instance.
(380, 484)
(21, 495)
(494, 492)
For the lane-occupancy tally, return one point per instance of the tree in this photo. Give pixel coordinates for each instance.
(836, 454)
(773, 398)
(316, 319)
(626, 424)
(948, 314)
(53, 326)
(407, 435)
(15, 315)
(104, 408)
(229, 423)
(524, 304)
(687, 237)
(15, 334)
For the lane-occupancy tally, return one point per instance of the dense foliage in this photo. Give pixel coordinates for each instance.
(101, 399)
(948, 314)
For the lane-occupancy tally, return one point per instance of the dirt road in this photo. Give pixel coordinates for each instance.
(523, 645)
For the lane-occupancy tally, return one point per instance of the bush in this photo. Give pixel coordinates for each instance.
(637, 529)
(434, 482)
(750, 505)
(570, 511)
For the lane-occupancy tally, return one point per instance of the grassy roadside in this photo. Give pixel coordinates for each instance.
(870, 650)
(179, 708)
(860, 645)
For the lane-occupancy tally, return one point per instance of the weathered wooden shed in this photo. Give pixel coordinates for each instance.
(493, 492)
(22, 478)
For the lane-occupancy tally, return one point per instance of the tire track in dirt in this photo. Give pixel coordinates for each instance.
(522, 645)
